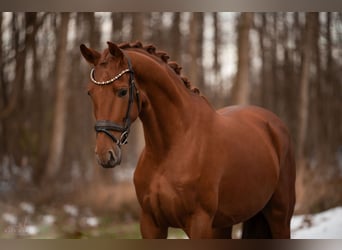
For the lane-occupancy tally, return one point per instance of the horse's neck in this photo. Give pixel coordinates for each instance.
(168, 113)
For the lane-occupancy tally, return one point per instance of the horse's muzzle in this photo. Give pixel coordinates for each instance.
(110, 159)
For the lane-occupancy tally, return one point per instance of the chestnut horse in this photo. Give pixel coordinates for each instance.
(201, 170)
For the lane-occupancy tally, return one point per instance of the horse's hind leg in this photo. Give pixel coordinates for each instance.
(256, 228)
(275, 218)
(279, 210)
(278, 218)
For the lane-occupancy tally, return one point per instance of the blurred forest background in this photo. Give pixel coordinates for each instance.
(289, 63)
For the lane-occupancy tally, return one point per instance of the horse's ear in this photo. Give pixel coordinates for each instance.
(92, 56)
(114, 50)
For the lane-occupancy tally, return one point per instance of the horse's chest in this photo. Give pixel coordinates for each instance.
(168, 202)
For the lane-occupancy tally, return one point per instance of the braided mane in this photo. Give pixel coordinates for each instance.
(151, 49)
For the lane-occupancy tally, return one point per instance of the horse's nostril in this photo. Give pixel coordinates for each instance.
(111, 155)
(109, 159)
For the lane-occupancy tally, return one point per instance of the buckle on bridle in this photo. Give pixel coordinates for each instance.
(123, 138)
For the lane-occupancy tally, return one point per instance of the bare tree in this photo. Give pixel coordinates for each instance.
(117, 26)
(94, 33)
(3, 99)
(2, 85)
(176, 38)
(195, 49)
(241, 88)
(59, 121)
(138, 25)
(18, 82)
(304, 83)
(217, 43)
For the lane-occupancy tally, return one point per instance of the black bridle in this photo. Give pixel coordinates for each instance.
(106, 126)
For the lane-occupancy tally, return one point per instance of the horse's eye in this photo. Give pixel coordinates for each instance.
(122, 92)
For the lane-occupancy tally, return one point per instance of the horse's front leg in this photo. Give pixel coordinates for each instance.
(149, 229)
(200, 227)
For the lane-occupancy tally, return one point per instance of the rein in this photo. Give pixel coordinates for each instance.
(106, 126)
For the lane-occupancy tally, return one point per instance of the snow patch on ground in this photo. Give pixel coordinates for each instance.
(325, 225)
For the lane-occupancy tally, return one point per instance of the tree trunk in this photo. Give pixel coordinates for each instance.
(94, 32)
(304, 84)
(18, 82)
(316, 107)
(289, 92)
(117, 27)
(264, 97)
(2, 84)
(12, 91)
(195, 49)
(303, 111)
(3, 101)
(176, 39)
(241, 88)
(275, 95)
(138, 20)
(59, 120)
(217, 43)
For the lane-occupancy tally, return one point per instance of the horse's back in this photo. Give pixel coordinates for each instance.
(251, 113)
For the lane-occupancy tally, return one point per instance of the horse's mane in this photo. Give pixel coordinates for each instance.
(151, 49)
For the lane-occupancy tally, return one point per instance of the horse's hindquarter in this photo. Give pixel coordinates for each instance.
(252, 163)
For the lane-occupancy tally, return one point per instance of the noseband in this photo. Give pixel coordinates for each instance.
(105, 126)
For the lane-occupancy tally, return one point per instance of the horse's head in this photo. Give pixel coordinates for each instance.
(115, 100)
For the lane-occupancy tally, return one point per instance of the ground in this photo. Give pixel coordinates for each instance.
(24, 220)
